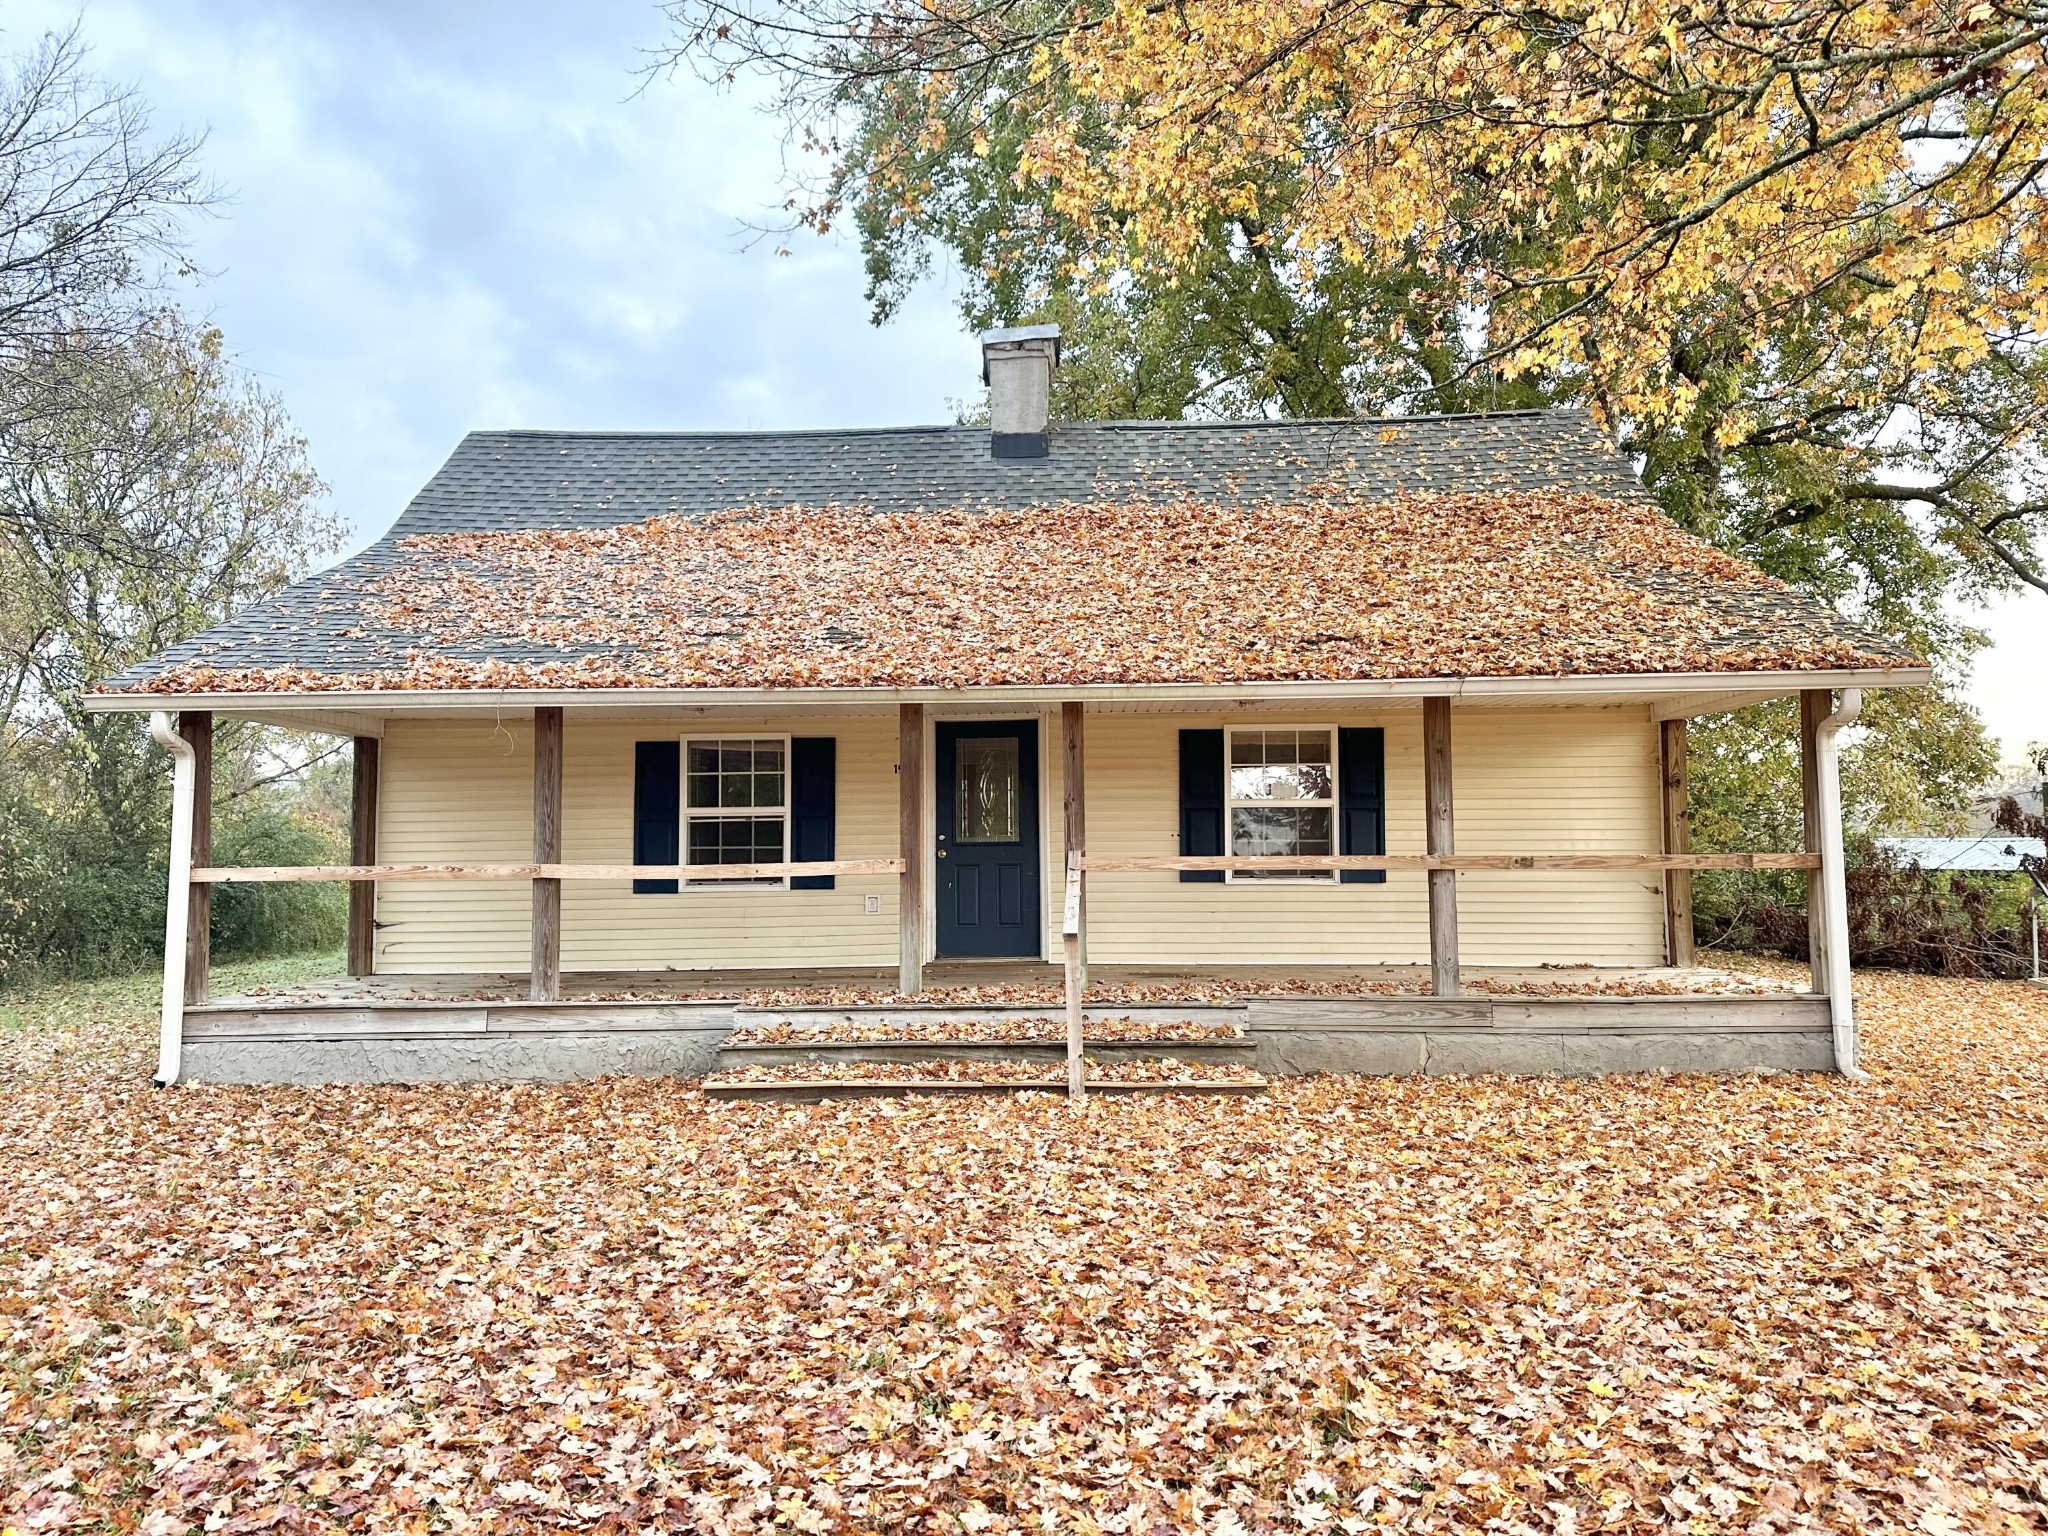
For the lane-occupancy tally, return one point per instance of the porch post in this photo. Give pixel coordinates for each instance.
(196, 726)
(1075, 789)
(362, 849)
(910, 839)
(1814, 705)
(1678, 948)
(1442, 840)
(547, 849)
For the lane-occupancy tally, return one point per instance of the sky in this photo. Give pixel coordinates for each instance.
(445, 216)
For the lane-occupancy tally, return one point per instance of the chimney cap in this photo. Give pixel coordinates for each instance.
(1014, 335)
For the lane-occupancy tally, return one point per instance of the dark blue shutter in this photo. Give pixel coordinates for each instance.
(1362, 802)
(813, 807)
(657, 810)
(1201, 803)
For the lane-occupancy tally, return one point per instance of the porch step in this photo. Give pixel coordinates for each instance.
(816, 1090)
(809, 1080)
(1234, 1051)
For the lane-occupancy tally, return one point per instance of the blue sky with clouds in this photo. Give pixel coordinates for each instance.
(445, 216)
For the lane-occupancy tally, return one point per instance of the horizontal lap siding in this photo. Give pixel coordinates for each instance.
(1141, 917)
(1558, 781)
(455, 792)
(1549, 781)
(1539, 781)
(447, 798)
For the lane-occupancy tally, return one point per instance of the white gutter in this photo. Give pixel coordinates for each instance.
(178, 908)
(1547, 685)
(1834, 885)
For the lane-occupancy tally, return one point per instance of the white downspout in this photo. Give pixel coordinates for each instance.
(1834, 882)
(178, 909)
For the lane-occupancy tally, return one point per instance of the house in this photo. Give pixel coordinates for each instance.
(1366, 726)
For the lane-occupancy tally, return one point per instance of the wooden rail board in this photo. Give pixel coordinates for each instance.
(1099, 863)
(1091, 863)
(274, 873)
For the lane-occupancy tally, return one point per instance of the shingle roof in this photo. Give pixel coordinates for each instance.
(339, 622)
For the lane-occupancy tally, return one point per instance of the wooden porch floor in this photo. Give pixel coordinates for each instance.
(1026, 981)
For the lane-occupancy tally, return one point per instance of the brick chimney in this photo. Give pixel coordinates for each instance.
(1017, 365)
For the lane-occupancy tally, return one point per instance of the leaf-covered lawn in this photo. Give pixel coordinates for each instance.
(1484, 1303)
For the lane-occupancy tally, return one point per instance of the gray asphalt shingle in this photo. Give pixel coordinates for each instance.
(498, 481)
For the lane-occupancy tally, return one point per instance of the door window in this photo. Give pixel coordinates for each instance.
(987, 800)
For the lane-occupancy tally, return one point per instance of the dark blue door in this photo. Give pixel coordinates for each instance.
(987, 788)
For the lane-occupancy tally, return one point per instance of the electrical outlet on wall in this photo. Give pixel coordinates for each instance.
(874, 906)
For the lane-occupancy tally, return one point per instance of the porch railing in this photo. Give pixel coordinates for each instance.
(1093, 863)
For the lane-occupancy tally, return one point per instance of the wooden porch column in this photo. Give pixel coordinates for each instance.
(1678, 948)
(1441, 839)
(547, 849)
(1815, 705)
(910, 838)
(1075, 787)
(362, 849)
(196, 726)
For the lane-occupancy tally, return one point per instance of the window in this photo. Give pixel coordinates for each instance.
(736, 804)
(1282, 798)
(986, 798)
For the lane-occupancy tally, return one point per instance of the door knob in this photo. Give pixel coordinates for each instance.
(942, 853)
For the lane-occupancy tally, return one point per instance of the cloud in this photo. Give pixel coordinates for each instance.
(445, 217)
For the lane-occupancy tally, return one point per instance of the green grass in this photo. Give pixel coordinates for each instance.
(134, 998)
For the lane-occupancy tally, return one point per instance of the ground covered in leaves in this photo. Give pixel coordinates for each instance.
(1498, 1303)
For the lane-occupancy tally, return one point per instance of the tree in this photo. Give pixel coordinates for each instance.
(1786, 251)
(92, 208)
(147, 489)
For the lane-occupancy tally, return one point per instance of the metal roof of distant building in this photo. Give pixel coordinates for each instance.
(1993, 853)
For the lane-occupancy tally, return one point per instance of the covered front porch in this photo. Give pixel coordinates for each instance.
(1563, 941)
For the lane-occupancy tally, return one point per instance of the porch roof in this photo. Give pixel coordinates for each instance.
(1154, 556)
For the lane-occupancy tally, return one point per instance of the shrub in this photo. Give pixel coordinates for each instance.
(1902, 917)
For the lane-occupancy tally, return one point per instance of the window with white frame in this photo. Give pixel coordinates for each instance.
(1282, 797)
(736, 803)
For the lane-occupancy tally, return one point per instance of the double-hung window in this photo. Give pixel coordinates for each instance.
(736, 803)
(1282, 798)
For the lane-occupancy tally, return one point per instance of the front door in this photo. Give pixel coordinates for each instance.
(987, 788)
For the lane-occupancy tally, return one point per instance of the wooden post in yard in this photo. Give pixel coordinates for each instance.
(910, 836)
(1677, 800)
(196, 726)
(1076, 797)
(1815, 705)
(1070, 941)
(1441, 838)
(547, 849)
(362, 849)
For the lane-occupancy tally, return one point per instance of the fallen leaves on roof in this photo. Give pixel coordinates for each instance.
(1646, 1302)
(1128, 592)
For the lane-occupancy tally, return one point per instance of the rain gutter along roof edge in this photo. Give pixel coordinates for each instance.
(1648, 684)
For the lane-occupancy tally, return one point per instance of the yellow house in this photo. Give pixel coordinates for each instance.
(1371, 730)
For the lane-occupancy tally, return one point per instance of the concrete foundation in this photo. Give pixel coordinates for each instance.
(412, 1041)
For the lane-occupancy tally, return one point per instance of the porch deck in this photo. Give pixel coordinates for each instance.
(950, 982)
(1376, 1019)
